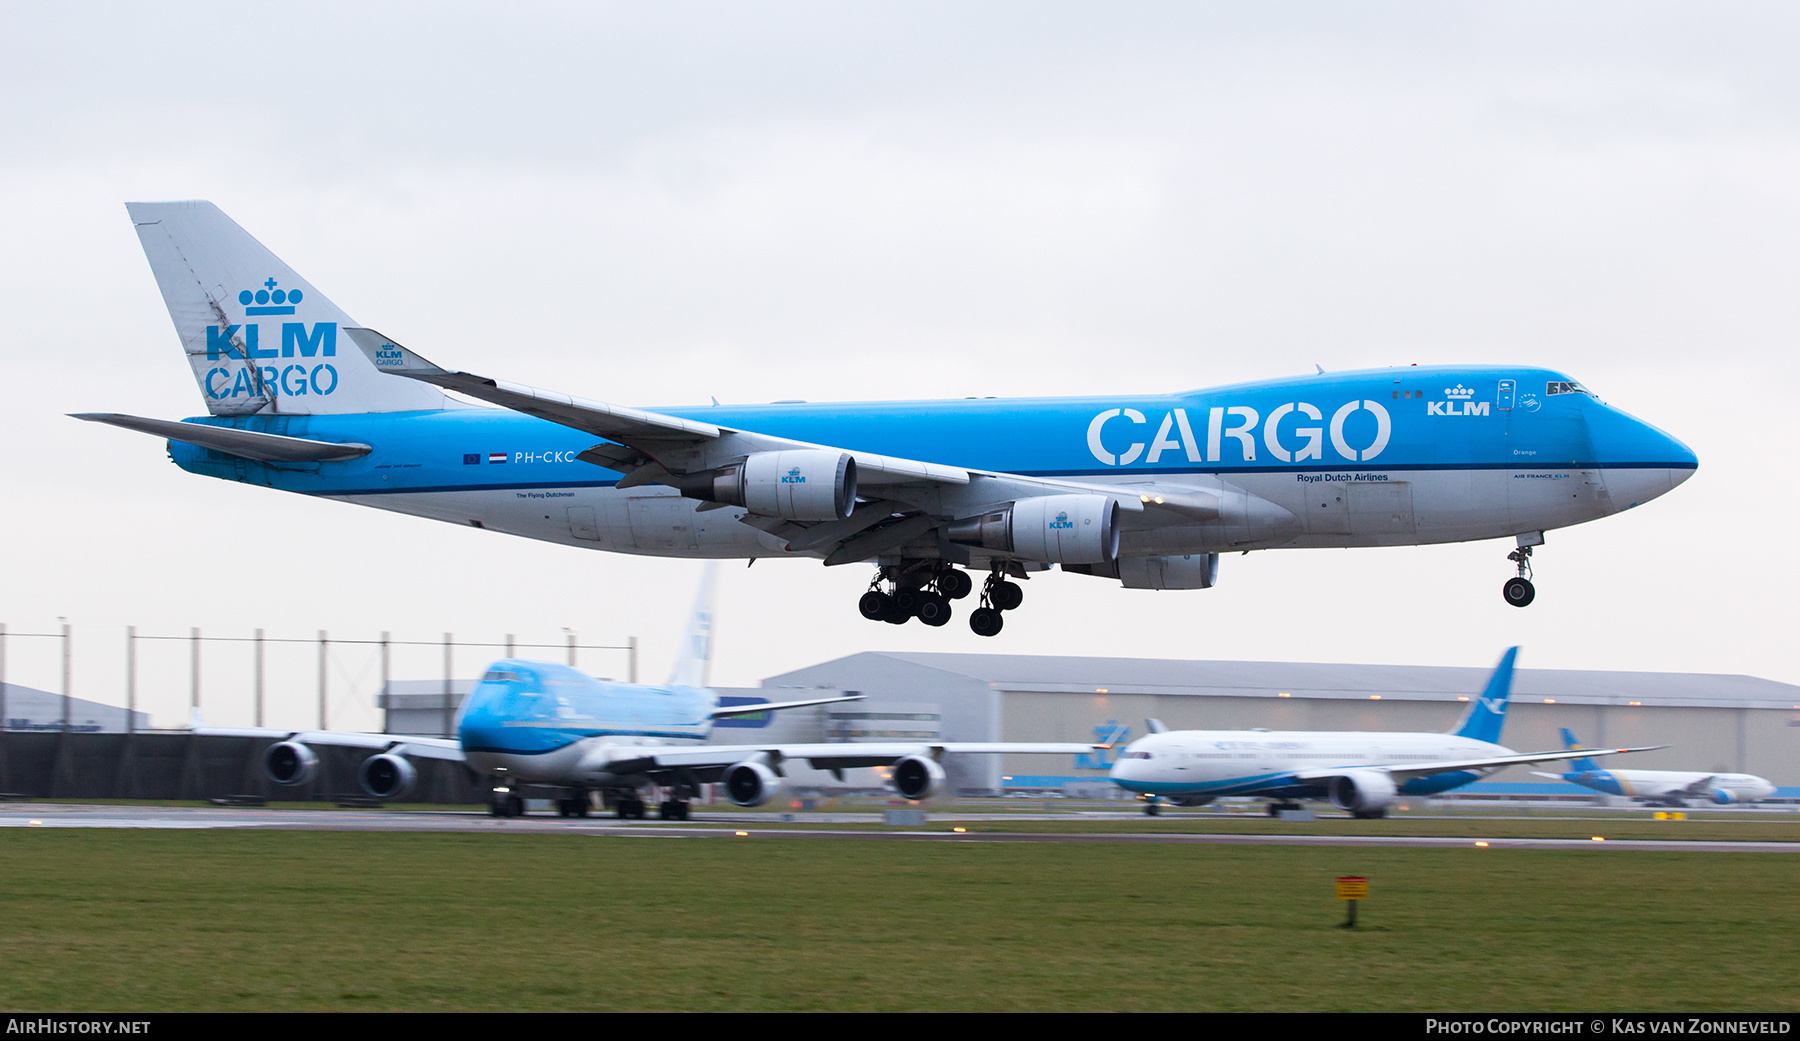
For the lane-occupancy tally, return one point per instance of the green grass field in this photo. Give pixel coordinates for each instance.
(231, 920)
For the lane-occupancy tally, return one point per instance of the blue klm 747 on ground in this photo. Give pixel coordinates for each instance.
(1144, 490)
(546, 730)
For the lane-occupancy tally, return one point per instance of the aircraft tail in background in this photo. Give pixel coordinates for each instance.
(1571, 743)
(693, 665)
(1487, 713)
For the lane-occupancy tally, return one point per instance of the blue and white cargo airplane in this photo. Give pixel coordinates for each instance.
(1145, 490)
(1362, 772)
(1661, 787)
(544, 730)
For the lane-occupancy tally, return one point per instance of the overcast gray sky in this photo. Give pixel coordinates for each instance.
(654, 203)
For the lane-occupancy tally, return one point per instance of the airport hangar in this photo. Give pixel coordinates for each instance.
(1724, 723)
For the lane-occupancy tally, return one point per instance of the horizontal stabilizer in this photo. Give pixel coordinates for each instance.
(248, 444)
(777, 706)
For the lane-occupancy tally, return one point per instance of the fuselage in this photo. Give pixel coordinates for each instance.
(1384, 457)
(543, 723)
(1668, 785)
(1213, 763)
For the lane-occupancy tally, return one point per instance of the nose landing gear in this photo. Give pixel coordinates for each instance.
(1519, 591)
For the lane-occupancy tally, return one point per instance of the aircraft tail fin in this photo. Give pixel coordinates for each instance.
(693, 665)
(260, 339)
(1571, 743)
(1487, 713)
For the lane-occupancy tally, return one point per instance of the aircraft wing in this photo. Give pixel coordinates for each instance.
(910, 497)
(657, 438)
(1697, 790)
(710, 760)
(416, 747)
(1407, 771)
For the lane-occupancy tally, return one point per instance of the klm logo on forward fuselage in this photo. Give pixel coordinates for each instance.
(1458, 401)
(1296, 443)
(245, 343)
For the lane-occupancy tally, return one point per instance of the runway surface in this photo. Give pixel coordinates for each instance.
(759, 826)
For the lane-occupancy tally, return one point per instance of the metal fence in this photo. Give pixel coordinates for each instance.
(292, 682)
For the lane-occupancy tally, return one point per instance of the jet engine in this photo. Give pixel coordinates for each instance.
(809, 484)
(751, 783)
(1363, 792)
(1723, 796)
(1059, 529)
(918, 777)
(1190, 800)
(290, 763)
(387, 776)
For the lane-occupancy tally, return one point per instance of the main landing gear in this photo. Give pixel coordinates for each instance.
(1519, 591)
(997, 595)
(917, 591)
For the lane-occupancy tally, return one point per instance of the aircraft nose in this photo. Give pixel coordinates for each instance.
(1639, 462)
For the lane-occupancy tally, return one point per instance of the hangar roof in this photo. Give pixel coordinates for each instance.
(1084, 675)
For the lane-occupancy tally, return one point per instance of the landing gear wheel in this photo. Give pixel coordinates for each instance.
(873, 605)
(933, 609)
(1007, 596)
(893, 614)
(512, 806)
(955, 584)
(1519, 592)
(985, 621)
(1151, 809)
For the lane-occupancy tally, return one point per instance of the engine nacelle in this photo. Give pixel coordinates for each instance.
(1724, 796)
(1190, 571)
(290, 763)
(751, 783)
(803, 484)
(1058, 529)
(387, 776)
(918, 777)
(1362, 791)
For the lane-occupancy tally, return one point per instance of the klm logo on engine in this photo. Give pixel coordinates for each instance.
(246, 343)
(1353, 435)
(1062, 521)
(793, 477)
(1458, 401)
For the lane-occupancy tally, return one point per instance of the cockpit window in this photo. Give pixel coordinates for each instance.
(500, 676)
(1566, 387)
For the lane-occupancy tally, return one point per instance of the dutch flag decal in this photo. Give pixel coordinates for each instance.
(496, 457)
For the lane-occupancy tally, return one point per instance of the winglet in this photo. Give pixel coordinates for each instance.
(389, 357)
(1155, 726)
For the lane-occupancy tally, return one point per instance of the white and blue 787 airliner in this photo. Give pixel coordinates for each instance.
(1365, 772)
